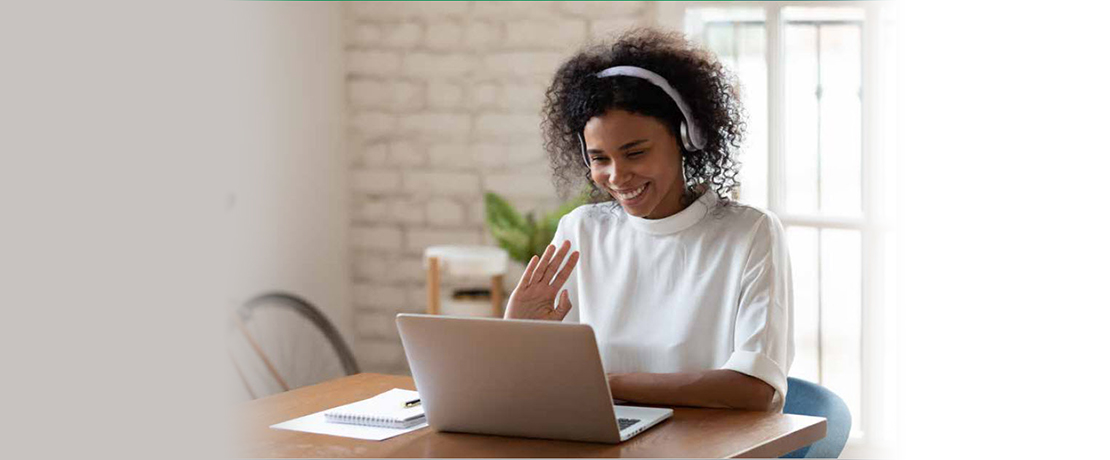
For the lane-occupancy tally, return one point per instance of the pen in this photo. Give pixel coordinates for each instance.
(415, 402)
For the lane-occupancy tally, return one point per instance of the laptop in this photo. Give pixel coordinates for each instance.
(535, 379)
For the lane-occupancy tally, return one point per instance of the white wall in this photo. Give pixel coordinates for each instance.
(125, 131)
(287, 194)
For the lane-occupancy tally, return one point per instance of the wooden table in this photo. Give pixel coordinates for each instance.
(691, 432)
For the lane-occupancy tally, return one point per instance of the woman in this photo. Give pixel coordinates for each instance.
(689, 293)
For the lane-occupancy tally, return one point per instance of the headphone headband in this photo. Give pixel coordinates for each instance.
(691, 136)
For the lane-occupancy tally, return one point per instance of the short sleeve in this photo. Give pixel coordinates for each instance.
(562, 232)
(763, 341)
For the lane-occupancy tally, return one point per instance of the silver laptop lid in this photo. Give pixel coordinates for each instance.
(539, 379)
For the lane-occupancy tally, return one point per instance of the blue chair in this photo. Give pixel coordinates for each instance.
(806, 398)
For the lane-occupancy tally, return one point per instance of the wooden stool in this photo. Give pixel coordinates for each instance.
(471, 261)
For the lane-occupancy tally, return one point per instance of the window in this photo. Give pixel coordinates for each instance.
(814, 84)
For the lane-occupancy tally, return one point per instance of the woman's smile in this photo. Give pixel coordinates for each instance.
(630, 196)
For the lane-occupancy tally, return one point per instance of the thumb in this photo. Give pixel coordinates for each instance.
(564, 306)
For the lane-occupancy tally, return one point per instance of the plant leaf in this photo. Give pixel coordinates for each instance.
(499, 213)
(511, 231)
(515, 242)
(524, 236)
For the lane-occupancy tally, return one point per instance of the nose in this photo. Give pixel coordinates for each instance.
(619, 174)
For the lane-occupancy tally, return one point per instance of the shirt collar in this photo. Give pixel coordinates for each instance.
(679, 221)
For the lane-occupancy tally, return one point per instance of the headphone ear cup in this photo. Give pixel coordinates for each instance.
(684, 134)
(582, 148)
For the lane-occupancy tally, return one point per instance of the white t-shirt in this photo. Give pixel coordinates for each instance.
(706, 288)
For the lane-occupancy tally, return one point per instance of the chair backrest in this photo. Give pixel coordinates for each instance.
(279, 341)
(806, 398)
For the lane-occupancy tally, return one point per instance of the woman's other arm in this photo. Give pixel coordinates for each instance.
(762, 342)
(717, 388)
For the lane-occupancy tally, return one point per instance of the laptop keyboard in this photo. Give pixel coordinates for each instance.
(626, 422)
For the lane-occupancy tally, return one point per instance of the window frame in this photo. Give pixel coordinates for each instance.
(877, 392)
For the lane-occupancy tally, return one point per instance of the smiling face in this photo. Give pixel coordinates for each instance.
(637, 160)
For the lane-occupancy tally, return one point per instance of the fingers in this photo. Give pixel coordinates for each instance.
(564, 306)
(537, 275)
(526, 278)
(564, 274)
(553, 265)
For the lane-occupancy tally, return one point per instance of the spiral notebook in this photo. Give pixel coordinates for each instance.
(386, 410)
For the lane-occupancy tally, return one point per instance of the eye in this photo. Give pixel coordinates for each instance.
(598, 159)
(636, 153)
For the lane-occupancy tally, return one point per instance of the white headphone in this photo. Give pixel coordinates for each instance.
(692, 137)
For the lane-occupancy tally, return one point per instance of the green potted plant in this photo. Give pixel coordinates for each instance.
(524, 236)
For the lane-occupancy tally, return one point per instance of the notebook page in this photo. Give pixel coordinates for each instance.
(316, 423)
(386, 406)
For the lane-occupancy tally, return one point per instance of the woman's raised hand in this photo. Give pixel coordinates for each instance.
(534, 296)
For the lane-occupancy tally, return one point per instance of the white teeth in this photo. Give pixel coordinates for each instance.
(631, 195)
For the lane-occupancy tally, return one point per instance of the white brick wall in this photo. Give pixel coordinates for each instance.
(451, 156)
(374, 125)
(436, 66)
(393, 11)
(521, 185)
(395, 96)
(377, 238)
(366, 34)
(483, 95)
(435, 126)
(403, 35)
(444, 36)
(444, 101)
(508, 11)
(545, 34)
(507, 126)
(495, 156)
(445, 212)
(376, 181)
(603, 9)
(388, 267)
(405, 153)
(514, 65)
(379, 296)
(371, 155)
(373, 63)
(442, 95)
(521, 97)
(425, 183)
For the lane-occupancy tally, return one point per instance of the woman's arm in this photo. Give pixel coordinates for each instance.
(718, 388)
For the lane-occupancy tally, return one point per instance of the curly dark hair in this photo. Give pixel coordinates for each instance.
(576, 95)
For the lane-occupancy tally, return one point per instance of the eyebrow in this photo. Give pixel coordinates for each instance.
(623, 147)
